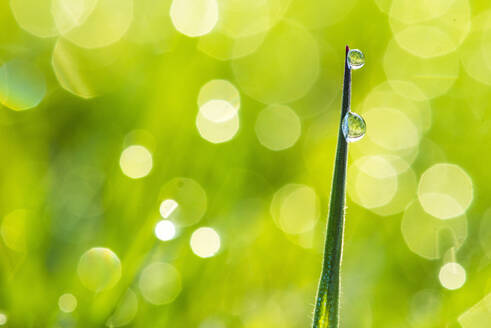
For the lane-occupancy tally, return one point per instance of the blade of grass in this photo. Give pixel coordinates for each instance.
(326, 313)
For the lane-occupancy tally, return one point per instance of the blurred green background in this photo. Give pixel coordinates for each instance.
(168, 163)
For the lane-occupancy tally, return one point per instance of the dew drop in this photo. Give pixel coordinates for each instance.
(356, 59)
(354, 127)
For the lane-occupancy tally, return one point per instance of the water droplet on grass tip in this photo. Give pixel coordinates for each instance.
(354, 127)
(356, 59)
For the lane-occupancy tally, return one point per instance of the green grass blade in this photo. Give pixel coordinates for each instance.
(326, 313)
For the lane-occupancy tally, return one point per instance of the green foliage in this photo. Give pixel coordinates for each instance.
(326, 313)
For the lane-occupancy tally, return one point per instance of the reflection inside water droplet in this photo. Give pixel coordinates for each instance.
(354, 127)
(356, 59)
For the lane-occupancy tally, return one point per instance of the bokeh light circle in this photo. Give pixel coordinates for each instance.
(403, 107)
(3, 318)
(69, 14)
(452, 275)
(167, 207)
(424, 304)
(278, 127)
(90, 24)
(86, 73)
(165, 230)
(407, 185)
(14, 229)
(476, 47)
(136, 162)
(417, 11)
(430, 237)
(433, 76)
(219, 90)
(67, 303)
(284, 68)
(430, 28)
(217, 132)
(218, 111)
(99, 269)
(486, 39)
(244, 18)
(34, 16)
(212, 323)
(22, 85)
(320, 14)
(391, 129)
(194, 17)
(190, 198)
(205, 242)
(445, 191)
(160, 283)
(295, 208)
(373, 181)
(223, 47)
(152, 26)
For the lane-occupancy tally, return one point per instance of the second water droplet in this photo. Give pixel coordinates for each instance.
(354, 127)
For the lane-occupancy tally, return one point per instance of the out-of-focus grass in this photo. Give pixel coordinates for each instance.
(63, 192)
